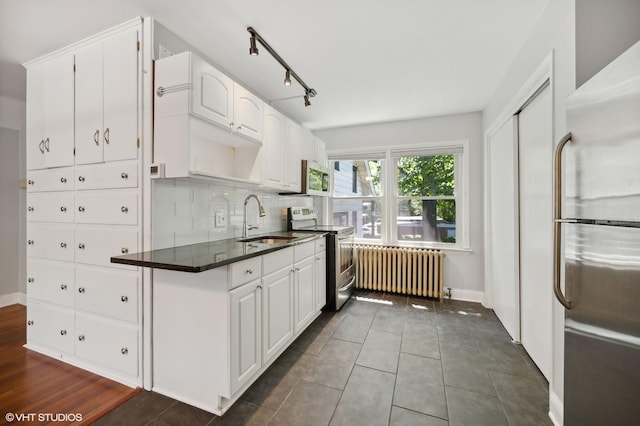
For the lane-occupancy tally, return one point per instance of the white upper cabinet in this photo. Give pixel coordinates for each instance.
(281, 151)
(212, 94)
(107, 99)
(293, 157)
(50, 110)
(247, 113)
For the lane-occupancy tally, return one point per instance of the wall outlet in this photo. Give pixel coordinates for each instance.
(221, 219)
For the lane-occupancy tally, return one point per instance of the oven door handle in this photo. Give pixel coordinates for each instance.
(347, 285)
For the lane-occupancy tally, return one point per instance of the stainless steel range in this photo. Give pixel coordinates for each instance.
(340, 256)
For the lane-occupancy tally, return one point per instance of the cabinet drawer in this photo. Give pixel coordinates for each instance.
(277, 260)
(321, 244)
(95, 245)
(50, 207)
(107, 343)
(109, 292)
(107, 207)
(244, 271)
(59, 179)
(107, 176)
(303, 251)
(50, 281)
(50, 326)
(50, 241)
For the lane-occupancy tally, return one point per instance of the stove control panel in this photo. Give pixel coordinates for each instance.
(302, 213)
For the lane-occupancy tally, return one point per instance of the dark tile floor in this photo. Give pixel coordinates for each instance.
(382, 360)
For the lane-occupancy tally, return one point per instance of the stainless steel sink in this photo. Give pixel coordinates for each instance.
(268, 239)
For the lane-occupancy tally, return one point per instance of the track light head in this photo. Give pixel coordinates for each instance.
(253, 49)
(287, 78)
(306, 100)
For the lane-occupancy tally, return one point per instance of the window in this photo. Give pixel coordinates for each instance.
(425, 201)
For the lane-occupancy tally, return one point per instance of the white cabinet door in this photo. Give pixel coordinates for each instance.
(107, 176)
(50, 326)
(304, 305)
(110, 344)
(58, 179)
(246, 332)
(50, 207)
(50, 241)
(59, 111)
(273, 152)
(35, 118)
(292, 152)
(212, 92)
(115, 207)
(277, 312)
(89, 104)
(107, 291)
(120, 133)
(96, 244)
(320, 270)
(51, 281)
(248, 113)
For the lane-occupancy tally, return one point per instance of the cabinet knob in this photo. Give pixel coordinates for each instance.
(81, 178)
(125, 250)
(124, 299)
(63, 209)
(81, 246)
(81, 290)
(231, 124)
(30, 182)
(63, 245)
(63, 286)
(81, 337)
(124, 209)
(239, 127)
(30, 322)
(124, 175)
(30, 242)
(30, 208)
(63, 332)
(81, 209)
(96, 137)
(124, 351)
(63, 180)
(249, 271)
(30, 280)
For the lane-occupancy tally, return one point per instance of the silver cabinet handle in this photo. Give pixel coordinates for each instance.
(30, 182)
(124, 351)
(81, 290)
(41, 146)
(124, 209)
(81, 178)
(557, 217)
(81, 209)
(124, 250)
(63, 180)
(63, 245)
(106, 135)
(249, 271)
(124, 299)
(30, 280)
(63, 332)
(259, 285)
(124, 175)
(96, 137)
(30, 322)
(81, 246)
(81, 337)
(63, 286)
(63, 209)
(30, 242)
(30, 208)
(46, 144)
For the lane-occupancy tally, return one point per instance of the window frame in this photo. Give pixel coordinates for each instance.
(389, 196)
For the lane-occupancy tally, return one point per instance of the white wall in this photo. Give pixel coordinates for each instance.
(464, 270)
(555, 32)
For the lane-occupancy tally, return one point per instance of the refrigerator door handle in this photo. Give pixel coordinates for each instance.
(557, 219)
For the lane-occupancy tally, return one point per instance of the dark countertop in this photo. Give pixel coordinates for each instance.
(213, 254)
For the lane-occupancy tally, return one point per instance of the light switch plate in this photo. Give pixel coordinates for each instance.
(221, 219)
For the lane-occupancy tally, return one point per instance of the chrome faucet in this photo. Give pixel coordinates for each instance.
(245, 227)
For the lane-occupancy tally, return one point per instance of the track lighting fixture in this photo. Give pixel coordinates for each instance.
(253, 51)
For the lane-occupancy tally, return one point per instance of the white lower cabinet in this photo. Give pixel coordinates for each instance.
(108, 343)
(50, 241)
(303, 286)
(107, 291)
(96, 244)
(320, 270)
(51, 281)
(50, 327)
(277, 303)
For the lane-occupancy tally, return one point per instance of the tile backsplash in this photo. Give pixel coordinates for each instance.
(184, 212)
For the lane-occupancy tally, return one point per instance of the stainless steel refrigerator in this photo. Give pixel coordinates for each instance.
(598, 223)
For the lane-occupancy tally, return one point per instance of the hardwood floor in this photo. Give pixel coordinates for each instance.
(39, 386)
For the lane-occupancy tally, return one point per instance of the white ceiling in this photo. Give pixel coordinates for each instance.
(369, 60)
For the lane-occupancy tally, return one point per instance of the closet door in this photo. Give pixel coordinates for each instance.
(536, 231)
(502, 153)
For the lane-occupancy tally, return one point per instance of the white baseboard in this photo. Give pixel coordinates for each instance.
(556, 409)
(466, 295)
(12, 299)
